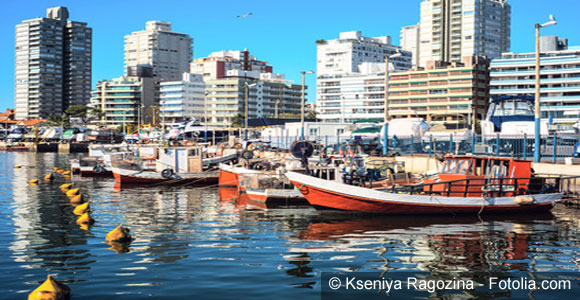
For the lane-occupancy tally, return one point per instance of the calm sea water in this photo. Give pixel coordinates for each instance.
(205, 242)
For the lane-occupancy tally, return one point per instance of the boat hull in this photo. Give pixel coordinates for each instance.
(277, 196)
(89, 172)
(123, 176)
(324, 194)
(227, 177)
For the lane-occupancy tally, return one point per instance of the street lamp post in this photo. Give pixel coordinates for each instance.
(247, 86)
(537, 114)
(162, 107)
(205, 115)
(139, 121)
(386, 129)
(302, 104)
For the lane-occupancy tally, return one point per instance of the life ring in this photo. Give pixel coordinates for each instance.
(167, 173)
(98, 169)
(145, 141)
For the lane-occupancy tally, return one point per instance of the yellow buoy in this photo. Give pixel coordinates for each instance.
(17, 166)
(81, 209)
(85, 219)
(78, 199)
(55, 169)
(59, 171)
(50, 290)
(119, 235)
(65, 186)
(66, 173)
(33, 181)
(48, 176)
(118, 247)
(72, 192)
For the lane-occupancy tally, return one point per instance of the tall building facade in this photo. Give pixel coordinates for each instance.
(351, 73)
(410, 37)
(217, 64)
(168, 53)
(345, 54)
(353, 96)
(53, 60)
(452, 29)
(124, 100)
(443, 92)
(514, 74)
(182, 100)
(226, 74)
(269, 95)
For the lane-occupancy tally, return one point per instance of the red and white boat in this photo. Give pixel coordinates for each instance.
(228, 174)
(270, 188)
(479, 185)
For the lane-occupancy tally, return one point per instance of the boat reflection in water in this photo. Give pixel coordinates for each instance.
(442, 247)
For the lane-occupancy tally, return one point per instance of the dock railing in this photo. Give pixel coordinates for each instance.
(495, 187)
(554, 147)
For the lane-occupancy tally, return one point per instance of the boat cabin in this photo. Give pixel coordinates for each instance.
(481, 172)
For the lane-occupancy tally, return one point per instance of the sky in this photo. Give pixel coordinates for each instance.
(279, 32)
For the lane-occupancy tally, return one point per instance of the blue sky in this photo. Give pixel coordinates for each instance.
(280, 32)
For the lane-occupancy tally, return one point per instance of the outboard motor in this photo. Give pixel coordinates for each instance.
(302, 150)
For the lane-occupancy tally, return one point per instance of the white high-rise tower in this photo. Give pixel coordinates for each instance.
(451, 29)
(167, 53)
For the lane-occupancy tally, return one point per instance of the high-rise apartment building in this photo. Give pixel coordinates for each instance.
(442, 93)
(452, 29)
(217, 64)
(345, 54)
(351, 74)
(269, 95)
(52, 65)
(124, 100)
(226, 74)
(168, 53)
(410, 36)
(514, 74)
(353, 96)
(182, 100)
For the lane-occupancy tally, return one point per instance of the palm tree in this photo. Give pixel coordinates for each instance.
(238, 121)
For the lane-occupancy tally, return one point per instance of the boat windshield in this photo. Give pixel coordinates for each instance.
(456, 166)
(513, 108)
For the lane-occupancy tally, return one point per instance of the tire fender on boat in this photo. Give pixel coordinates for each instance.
(98, 169)
(167, 173)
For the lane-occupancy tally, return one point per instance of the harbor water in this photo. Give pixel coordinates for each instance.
(208, 243)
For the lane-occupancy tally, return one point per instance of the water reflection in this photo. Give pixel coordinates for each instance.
(45, 231)
(194, 240)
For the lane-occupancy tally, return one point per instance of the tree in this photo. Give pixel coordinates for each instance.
(320, 42)
(59, 121)
(311, 115)
(85, 113)
(238, 121)
(290, 116)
